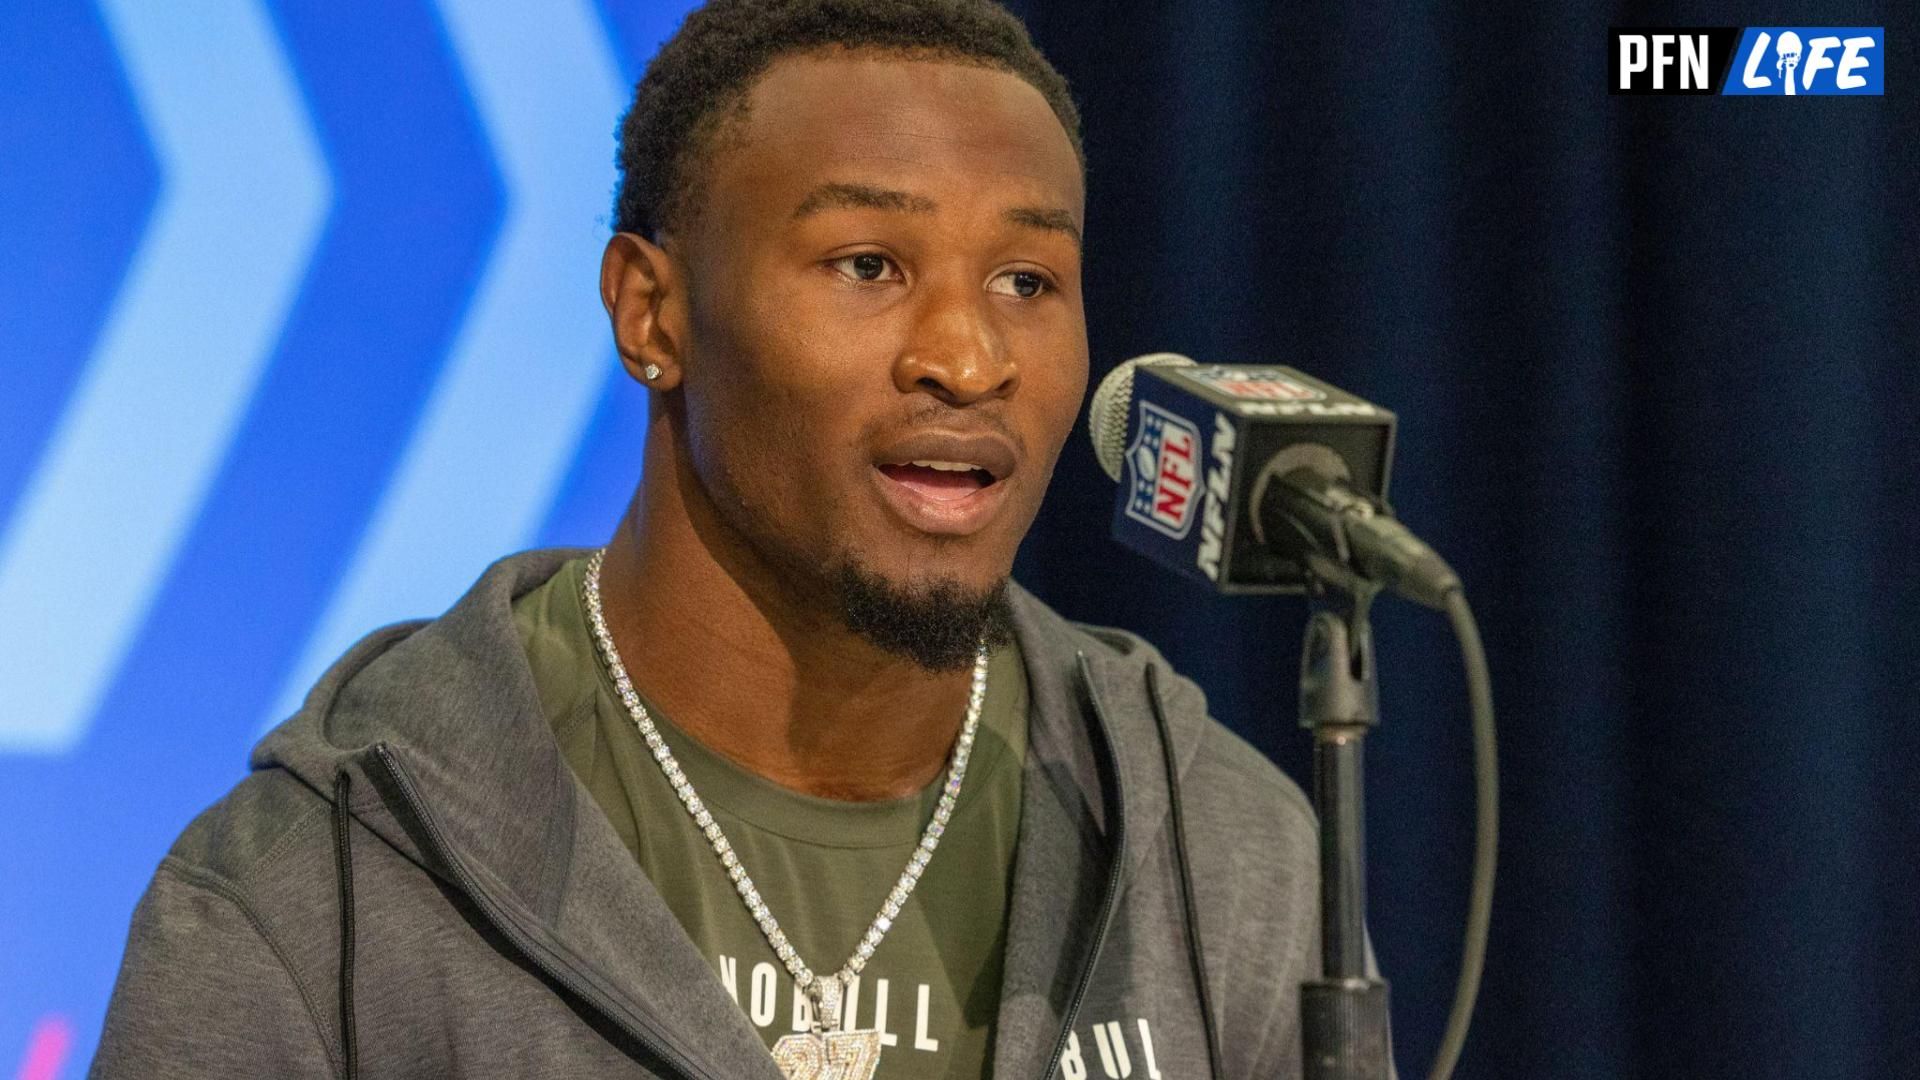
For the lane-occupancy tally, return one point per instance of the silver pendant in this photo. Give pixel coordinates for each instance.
(830, 1055)
(827, 1053)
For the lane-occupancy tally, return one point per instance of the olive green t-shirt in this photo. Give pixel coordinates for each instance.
(824, 867)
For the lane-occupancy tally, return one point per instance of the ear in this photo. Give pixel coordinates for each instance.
(641, 288)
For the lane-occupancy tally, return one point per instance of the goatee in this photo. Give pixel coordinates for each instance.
(936, 625)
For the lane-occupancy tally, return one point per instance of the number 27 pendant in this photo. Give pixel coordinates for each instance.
(830, 1055)
(826, 1053)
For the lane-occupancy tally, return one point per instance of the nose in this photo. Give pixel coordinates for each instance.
(955, 350)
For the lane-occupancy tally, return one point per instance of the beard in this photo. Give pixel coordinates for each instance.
(936, 624)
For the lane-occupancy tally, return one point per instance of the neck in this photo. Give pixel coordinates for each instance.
(772, 681)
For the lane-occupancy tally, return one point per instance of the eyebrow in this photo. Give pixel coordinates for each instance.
(842, 196)
(1051, 220)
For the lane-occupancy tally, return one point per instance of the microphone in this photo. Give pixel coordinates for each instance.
(1788, 49)
(1256, 479)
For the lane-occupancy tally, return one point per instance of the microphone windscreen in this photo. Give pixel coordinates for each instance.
(1112, 399)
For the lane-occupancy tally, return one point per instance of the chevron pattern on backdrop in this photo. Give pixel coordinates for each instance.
(298, 330)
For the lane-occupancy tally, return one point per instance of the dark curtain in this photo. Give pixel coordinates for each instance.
(1654, 360)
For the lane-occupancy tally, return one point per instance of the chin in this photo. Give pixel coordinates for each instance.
(937, 620)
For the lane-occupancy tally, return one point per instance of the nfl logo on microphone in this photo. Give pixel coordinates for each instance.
(1164, 462)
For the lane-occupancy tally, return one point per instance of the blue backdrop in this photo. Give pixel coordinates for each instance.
(275, 278)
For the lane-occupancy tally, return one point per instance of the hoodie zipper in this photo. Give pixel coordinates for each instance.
(1116, 807)
(512, 931)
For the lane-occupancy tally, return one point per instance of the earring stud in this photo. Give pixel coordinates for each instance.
(652, 372)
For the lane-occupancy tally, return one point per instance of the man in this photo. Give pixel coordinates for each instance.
(788, 779)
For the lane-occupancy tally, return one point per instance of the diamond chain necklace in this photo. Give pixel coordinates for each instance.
(828, 1046)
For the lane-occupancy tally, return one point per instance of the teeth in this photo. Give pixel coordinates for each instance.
(946, 466)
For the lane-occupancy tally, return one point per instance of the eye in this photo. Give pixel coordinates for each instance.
(1025, 284)
(867, 266)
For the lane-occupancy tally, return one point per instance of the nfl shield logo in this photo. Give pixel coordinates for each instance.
(1164, 472)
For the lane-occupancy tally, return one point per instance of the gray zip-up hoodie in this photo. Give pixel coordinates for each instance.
(412, 882)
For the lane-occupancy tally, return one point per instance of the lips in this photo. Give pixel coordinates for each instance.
(945, 483)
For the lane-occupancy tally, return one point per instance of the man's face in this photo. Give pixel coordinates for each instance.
(885, 269)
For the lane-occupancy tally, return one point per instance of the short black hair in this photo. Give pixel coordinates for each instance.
(706, 69)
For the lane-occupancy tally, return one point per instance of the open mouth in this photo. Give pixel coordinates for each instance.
(940, 481)
(945, 483)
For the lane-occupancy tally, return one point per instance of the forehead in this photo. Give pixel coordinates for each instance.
(851, 115)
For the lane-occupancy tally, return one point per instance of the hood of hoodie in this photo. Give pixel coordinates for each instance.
(439, 727)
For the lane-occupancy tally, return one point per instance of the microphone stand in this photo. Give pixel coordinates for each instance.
(1343, 1014)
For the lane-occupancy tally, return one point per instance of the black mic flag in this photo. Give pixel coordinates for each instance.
(1255, 478)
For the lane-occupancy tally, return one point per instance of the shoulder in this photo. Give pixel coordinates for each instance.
(264, 854)
(212, 980)
(250, 831)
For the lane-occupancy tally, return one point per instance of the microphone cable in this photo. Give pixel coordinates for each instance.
(1486, 833)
